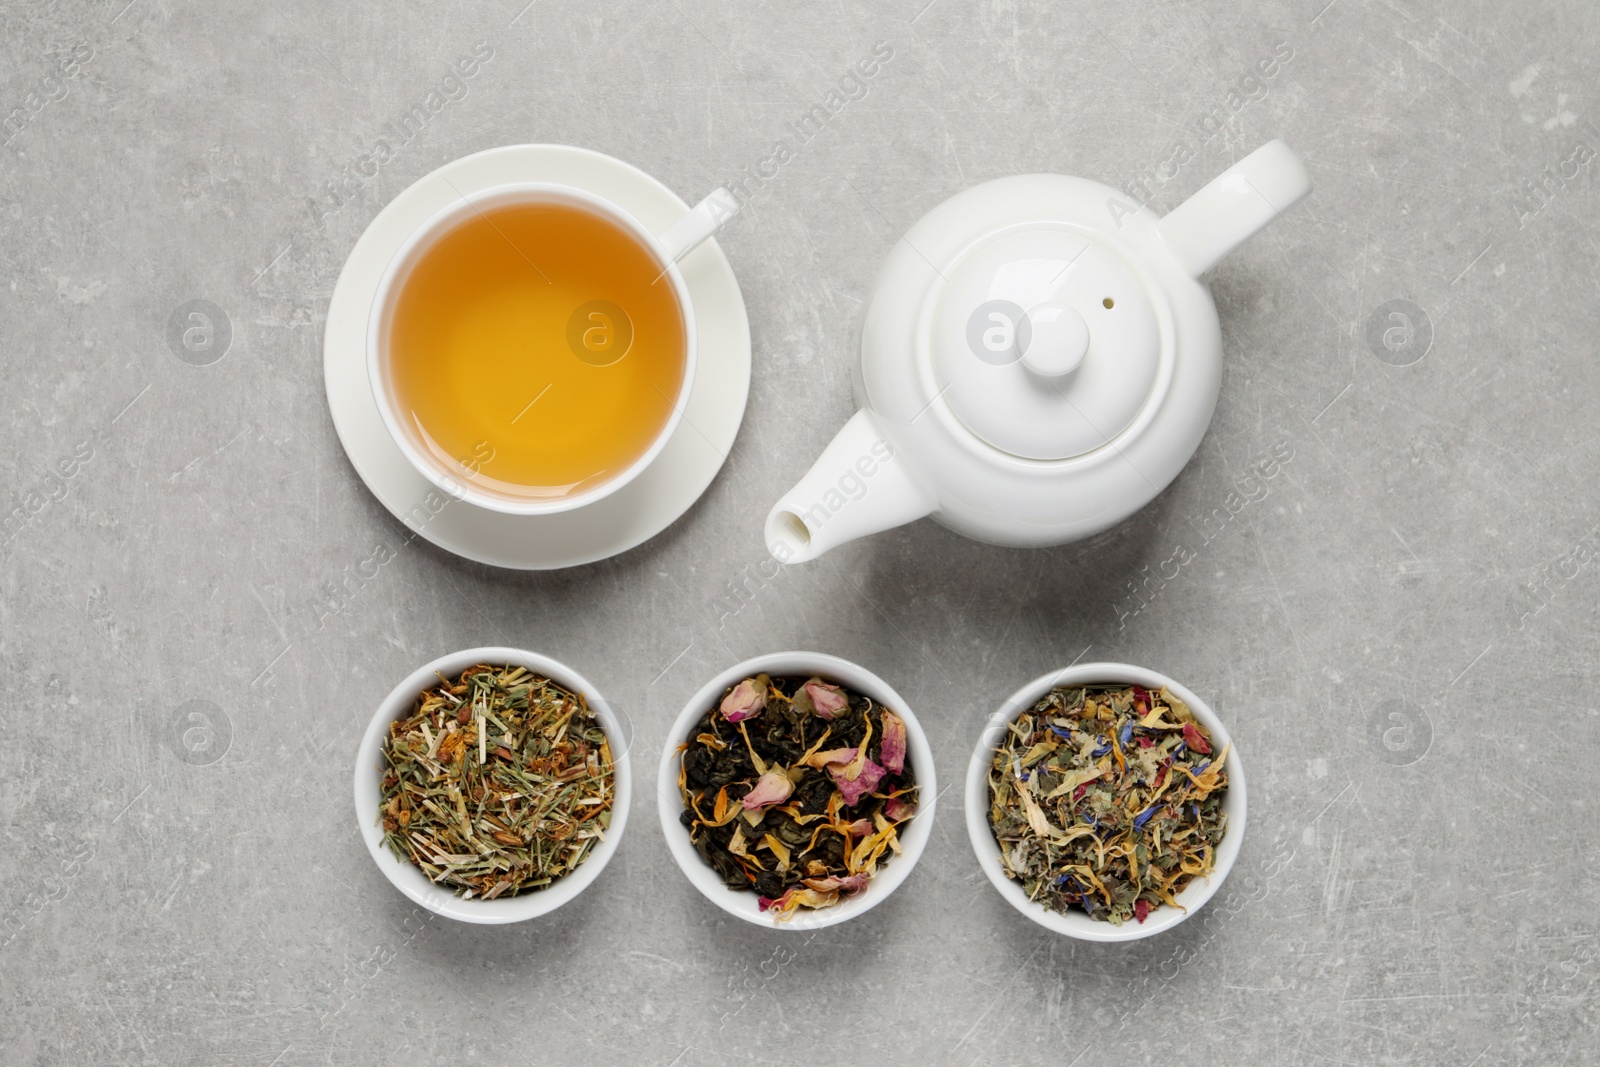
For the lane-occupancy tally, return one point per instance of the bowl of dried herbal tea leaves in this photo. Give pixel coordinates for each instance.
(794, 790)
(492, 786)
(1105, 802)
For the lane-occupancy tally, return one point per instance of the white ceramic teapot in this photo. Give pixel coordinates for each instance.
(1039, 359)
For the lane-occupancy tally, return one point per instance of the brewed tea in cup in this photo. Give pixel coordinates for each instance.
(532, 347)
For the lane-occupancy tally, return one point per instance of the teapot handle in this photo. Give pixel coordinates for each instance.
(1234, 205)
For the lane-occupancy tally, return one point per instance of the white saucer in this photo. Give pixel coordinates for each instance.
(633, 514)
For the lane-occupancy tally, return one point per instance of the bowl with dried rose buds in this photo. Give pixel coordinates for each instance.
(796, 790)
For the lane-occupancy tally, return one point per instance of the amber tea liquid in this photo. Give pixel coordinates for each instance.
(536, 349)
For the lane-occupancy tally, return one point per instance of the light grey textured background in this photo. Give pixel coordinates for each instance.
(1419, 884)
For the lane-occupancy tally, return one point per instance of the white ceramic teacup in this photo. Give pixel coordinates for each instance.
(665, 248)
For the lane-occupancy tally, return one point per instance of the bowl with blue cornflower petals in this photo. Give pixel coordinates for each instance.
(1106, 801)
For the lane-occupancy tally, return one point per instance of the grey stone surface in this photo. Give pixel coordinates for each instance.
(1399, 628)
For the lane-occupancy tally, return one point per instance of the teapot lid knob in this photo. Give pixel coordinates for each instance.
(1044, 342)
(1060, 339)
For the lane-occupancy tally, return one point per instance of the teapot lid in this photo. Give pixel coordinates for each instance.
(1045, 343)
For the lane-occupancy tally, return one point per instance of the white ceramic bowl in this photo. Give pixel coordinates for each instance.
(914, 833)
(1075, 923)
(406, 876)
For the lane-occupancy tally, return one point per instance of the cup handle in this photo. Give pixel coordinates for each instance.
(701, 222)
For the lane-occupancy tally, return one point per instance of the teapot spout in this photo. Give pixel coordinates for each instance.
(1234, 205)
(858, 486)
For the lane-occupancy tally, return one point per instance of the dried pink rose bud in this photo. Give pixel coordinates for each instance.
(899, 809)
(771, 788)
(860, 828)
(854, 883)
(747, 699)
(827, 701)
(893, 748)
(776, 902)
(865, 781)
